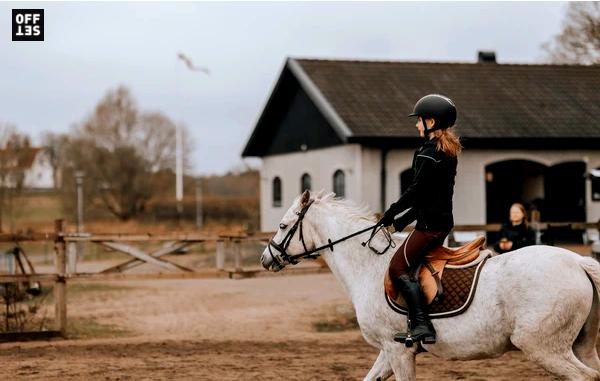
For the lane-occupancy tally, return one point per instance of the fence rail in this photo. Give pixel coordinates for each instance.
(227, 246)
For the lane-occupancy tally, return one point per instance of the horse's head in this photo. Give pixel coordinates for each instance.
(294, 236)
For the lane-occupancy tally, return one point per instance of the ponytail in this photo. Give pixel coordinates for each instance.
(448, 142)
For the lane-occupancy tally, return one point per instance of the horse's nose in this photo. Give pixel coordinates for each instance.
(264, 261)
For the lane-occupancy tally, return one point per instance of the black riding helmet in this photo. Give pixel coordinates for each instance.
(438, 107)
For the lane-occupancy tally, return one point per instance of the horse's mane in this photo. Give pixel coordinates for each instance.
(348, 207)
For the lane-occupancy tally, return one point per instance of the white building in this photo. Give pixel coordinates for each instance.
(30, 168)
(531, 134)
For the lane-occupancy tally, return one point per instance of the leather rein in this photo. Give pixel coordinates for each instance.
(314, 253)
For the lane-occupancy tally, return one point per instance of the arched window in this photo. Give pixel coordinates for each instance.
(305, 182)
(339, 183)
(276, 192)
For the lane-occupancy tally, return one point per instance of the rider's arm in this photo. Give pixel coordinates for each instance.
(404, 220)
(424, 166)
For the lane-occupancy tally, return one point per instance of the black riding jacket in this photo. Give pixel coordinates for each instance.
(429, 196)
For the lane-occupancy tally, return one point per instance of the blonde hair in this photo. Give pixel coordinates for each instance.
(448, 142)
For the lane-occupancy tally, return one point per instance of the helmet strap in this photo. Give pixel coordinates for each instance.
(428, 130)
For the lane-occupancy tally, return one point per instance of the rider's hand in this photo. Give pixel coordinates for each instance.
(387, 219)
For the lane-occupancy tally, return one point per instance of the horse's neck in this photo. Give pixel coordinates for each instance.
(358, 268)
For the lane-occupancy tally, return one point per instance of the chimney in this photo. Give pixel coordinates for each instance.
(488, 56)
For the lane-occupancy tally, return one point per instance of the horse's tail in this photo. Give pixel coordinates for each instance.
(592, 269)
(585, 344)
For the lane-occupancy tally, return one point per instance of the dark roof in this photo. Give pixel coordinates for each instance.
(22, 158)
(494, 100)
(499, 105)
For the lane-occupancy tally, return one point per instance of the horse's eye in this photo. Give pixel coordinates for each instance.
(282, 226)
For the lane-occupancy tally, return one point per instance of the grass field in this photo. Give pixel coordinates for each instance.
(36, 211)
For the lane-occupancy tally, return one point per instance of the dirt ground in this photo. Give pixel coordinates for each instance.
(277, 328)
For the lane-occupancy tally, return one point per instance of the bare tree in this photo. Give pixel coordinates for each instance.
(56, 144)
(579, 40)
(15, 156)
(120, 149)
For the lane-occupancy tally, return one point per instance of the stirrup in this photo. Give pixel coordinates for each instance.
(404, 338)
(409, 340)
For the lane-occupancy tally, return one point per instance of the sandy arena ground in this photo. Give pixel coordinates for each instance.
(221, 329)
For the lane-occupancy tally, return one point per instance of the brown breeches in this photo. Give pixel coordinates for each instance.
(413, 250)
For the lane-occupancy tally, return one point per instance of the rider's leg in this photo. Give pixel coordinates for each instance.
(405, 261)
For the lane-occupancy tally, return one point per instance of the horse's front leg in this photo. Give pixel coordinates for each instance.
(402, 361)
(381, 369)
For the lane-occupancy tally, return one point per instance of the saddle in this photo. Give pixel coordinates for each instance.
(448, 278)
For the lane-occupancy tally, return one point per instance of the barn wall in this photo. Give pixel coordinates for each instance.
(362, 166)
(320, 164)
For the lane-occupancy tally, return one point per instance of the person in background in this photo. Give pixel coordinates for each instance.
(515, 233)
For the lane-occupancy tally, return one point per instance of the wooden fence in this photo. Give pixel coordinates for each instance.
(65, 260)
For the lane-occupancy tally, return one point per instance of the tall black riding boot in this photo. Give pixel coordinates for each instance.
(421, 328)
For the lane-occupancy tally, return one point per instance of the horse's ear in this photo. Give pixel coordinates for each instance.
(305, 197)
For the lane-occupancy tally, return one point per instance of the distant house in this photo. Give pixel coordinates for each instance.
(531, 134)
(29, 168)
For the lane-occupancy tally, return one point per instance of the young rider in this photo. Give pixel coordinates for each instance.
(429, 201)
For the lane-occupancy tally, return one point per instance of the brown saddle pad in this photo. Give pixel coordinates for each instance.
(448, 279)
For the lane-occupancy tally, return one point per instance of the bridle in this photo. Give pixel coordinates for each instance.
(280, 262)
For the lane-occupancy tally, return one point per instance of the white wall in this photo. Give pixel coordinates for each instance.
(320, 164)
(41, 174)
(362, 166)
(371, 173)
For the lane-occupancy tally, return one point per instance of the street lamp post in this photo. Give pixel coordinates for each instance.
(79, 184)
(79, 247)
(179, 171)
(179, 150)
(199, 221)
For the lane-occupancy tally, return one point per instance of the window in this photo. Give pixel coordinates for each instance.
(305, 182)
(596, 184)
(339, 183)
(276, 192)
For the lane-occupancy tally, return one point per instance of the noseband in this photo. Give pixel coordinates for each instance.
(314, 253)
(282, 247)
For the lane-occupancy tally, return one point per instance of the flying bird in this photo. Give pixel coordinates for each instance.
(190, 65)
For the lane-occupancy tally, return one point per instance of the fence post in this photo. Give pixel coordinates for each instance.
(60, 286)
(72, 253)
(237, 252)
(220, 258)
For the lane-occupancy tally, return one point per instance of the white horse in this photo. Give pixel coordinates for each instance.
(541, 300)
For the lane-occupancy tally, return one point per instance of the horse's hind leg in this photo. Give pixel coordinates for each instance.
(554, 354)
(585, 344)
(548, 342)
(566, 366)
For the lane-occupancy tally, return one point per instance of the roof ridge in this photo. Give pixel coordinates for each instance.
(465, 63)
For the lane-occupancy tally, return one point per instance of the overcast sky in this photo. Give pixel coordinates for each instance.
(90, 48)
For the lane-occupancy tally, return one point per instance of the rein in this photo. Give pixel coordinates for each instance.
(314, 253)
